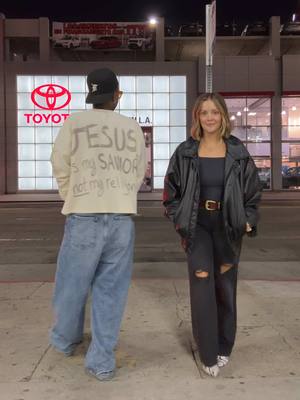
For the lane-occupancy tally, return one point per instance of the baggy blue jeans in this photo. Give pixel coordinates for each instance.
(96, 256)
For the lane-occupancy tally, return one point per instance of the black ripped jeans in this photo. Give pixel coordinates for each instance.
(213, 299)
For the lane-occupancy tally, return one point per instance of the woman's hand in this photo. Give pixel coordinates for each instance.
(248, 227)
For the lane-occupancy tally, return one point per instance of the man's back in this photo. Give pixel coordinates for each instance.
(99, 162)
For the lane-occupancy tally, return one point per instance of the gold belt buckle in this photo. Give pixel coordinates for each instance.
(207, 206)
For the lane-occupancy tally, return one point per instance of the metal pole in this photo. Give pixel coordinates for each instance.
(210, 40)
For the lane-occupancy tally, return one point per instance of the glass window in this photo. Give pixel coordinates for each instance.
(161, 134)
(43, 183)
(259, 133)
(43, 135)
(24, 102)
(145, 117)
(158, 182)
(177, 100)
(161, 151)
(177, 134)
(42, 80)
(26, 168)
(157, 103)
(127, 84)
(27, 183)
(290, 132)
(259, 111)
(128, 101)
(63, 81)
(161, 101)
(264, 171)
(43, 169)
(25, 83)
(77, 84)
(25, 118)
(240, 132)
(144, 84)
(144, 100)
(54, 133)
(178, 117)
(290, 117)
(161, 84)
(259, 149)
(173, 147)
(178, 84)
(43, 151)
(251, 121)
(26, 152)
(161, 118)
(77, 101)
(160, 167)
(54, 184)
(26, 135)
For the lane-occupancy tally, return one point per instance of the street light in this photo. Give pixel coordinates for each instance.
(153, 21)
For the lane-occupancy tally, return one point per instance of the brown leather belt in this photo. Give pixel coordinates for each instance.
(210, 205)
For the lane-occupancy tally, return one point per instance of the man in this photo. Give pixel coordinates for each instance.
(99, 163)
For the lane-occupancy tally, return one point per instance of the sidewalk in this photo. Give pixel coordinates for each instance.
(154, 355)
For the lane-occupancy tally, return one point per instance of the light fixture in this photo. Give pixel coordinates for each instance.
(153, 21)
(294, 108)
(232, 118)
(246, 109)
(283, 112)
(251, 114)
(238, 113)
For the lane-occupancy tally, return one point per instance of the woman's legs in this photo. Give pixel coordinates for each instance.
(226, 284)
(203, 299)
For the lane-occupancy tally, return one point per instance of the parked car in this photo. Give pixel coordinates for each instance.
(291, 177)
(67, 42)
(290, 28)
(265, 177)
(256, 29)
(106, 42)
(142, 43)
(169, 30)
(228, 29)
(193, 29)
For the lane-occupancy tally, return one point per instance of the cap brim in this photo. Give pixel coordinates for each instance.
(98, 99)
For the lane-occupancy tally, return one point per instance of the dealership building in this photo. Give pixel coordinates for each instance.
(43, 70)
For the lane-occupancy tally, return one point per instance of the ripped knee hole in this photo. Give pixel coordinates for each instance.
(225, 267)
(201, 274)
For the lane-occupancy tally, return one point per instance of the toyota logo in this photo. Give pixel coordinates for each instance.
(51, 97)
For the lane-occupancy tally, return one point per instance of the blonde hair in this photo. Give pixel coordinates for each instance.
(219, 102)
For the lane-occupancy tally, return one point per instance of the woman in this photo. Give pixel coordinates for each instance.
(211, 194)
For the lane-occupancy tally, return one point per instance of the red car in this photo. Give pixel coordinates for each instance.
(106, 42)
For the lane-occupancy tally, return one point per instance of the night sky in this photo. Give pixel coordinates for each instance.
(174, 11)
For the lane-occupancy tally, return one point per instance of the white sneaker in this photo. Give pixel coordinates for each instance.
(222, 361)
(211, 371)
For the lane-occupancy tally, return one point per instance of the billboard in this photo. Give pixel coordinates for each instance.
(112, 36)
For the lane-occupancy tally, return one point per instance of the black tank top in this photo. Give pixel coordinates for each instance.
(212, 172)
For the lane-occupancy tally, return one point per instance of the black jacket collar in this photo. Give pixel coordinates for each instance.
(235, 148)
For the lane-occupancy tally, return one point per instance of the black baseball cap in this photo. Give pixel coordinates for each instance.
(102, 84)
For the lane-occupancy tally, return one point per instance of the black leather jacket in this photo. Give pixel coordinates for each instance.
(242, 191)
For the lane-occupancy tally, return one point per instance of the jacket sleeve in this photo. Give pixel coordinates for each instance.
(172, 192)
(61, 159)
(252, 195)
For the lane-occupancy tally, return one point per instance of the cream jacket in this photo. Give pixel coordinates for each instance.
(99, 162)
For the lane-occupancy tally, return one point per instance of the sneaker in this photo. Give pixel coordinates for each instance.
(211, 371)
(222, 361)
(101, 376)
